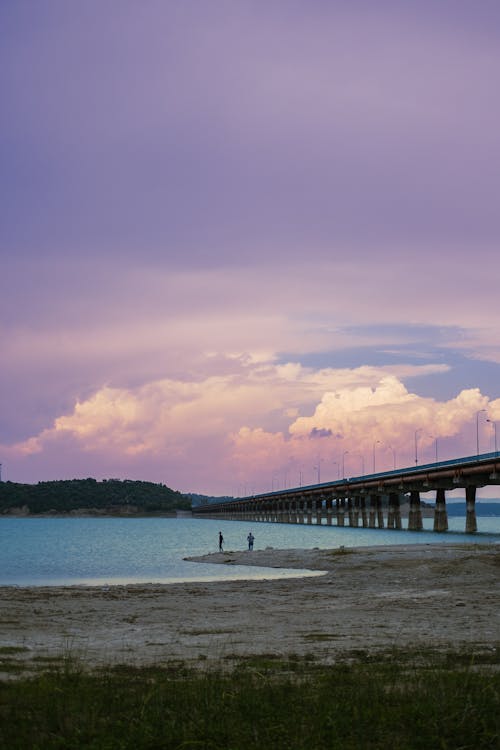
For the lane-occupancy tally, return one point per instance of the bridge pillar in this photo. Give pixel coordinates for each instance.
(302, 510)
(394, 512)
(373, 510)
(470, 518)
(380, 513)
(376, 513)
(353, 505)
(340, 511)
(364, 516)
(350, 511)
(415, 513)
(319, 510)
(329, 511)
(440, 514)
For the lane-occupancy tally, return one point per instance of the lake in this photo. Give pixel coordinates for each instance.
(111, 551)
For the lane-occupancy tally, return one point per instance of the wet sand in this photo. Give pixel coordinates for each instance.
(440, 596)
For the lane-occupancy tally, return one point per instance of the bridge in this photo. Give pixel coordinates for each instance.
(364, 499)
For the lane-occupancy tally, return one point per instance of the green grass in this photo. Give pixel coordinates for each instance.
(398, 700)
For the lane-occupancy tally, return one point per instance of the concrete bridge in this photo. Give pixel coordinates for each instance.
(364, 500)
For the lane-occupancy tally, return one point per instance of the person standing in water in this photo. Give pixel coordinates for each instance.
(221, 541)
(250, 539)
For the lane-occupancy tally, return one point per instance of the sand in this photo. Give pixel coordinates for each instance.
(442, 596)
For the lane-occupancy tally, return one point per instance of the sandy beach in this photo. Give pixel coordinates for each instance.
(439, 596)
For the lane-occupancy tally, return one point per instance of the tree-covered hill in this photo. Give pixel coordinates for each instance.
(111, 496)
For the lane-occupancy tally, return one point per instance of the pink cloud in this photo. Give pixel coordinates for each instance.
(208, 436)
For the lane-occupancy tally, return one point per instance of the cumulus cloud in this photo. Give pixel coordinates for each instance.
(343, 416)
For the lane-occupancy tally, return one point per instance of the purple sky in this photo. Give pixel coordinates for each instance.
(241, 240)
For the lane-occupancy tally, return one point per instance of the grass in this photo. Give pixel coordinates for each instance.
(397, 700)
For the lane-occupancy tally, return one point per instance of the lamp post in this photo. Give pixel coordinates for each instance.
(492, 421)
(433, 437)
(477, 429)
(393, 456)
(416, 444)
(336, 463)
(318, 469)
(362, 463)
(344, 454)
(374, 444)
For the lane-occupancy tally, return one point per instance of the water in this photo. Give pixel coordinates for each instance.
(109, 551)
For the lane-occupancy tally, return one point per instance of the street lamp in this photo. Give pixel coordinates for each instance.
(393, 455)
(477, 429)
(336, 463)
(318, 469)
(343, 464)
(433, 437)
(488, 420)
(374, 444)
(416, 444)
(362, 463)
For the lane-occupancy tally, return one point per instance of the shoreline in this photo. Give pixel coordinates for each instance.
(369, 599)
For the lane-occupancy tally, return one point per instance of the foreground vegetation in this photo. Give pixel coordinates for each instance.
(394, 702)
(108, 496)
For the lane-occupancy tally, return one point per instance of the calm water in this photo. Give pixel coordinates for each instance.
(100, 551)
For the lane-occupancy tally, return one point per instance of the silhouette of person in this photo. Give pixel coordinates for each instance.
(221, 541)
(250, 539)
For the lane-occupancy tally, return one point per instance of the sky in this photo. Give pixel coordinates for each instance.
(247, 244)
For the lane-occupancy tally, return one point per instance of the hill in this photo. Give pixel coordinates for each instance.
(90, 497)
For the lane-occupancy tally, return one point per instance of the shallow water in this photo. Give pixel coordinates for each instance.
(100, 551)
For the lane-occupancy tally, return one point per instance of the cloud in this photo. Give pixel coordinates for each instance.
(320, 433)
(200, 431)
(218, 183)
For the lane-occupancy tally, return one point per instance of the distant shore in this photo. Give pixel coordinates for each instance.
(443, 596)
(96, 513)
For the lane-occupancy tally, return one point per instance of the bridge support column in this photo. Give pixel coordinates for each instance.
(357, 505)
(415, 513)
(440, 514)
(350, 510)
(329, 511)
(394, 512)
(380, 513)
(373, 510)
(340, 511)
(319, 511)
(364, 516)
(302, 510)
(376, 513)
(470, 518)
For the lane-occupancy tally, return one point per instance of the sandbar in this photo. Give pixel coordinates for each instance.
(439, 596)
